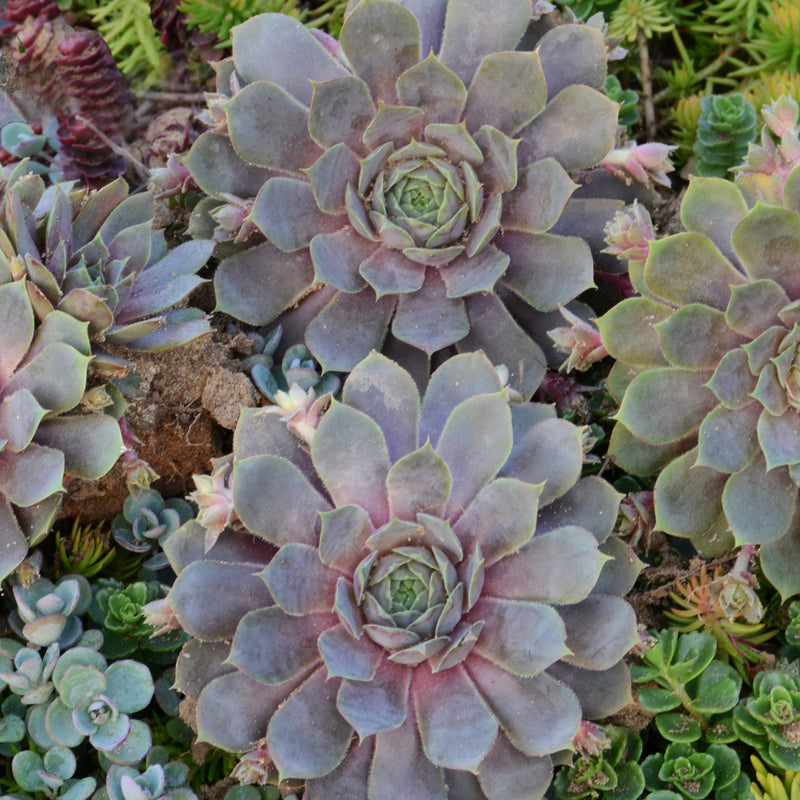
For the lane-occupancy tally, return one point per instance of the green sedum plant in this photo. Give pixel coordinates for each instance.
(428, 597)
(411, 186)
(688, 678)
(726, 127)
(707, 375)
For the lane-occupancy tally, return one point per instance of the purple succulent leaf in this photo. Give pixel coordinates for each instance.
(269, 48)
(346, 608)
(346, 657)
(539, 715)
(392, 125)
(474, 458)
(590, 504)
(37, 377)
(510, 626)
(545, 269)
(233, 710)
(239, 591)
(376, 705)
(299, 582)
(340, 111)
(199, 663)
(588, 56)
(515, 76)
(348, 328)
(778, 561)
(755, 307)
(329, 177)
(271, 517)
(536, 202)
(349, 779)
(389, 272)
(600, 692)
(765, 241)
(387, 394)
(176, 328)
(436, 90)
(420, 481)
(269, 128)
(273, 647)
(507, 773)
(400, 760)
(732, 382)
(714, 207)
(447, 702)
(343, 536)
(40, 276)
(727, 440)
(600, 630)
(15, 543)
(689, 497)
(759, 504)
(675, 261)
(764, 348)
(777, 436)
(309, 715)
(20, 222)
(629, 332)
(428, 319)
(550, 453)
(350, 455)
(498, 171)
(20, 415)
(468, 275)
(96, 210)
(692, 401)
(337, 257)
(500, 519)
(620, 572)
(287, 213)
(59, 327)
(561, 566)
(134, 332)
(463, 785)
(697, 351)
(29, 477)
(559, 131)
(469, 35)
(381, 41)
(456, 140)
(259, 434)
(218, 169)
(256, 285)
(91, 444)
(85, 305)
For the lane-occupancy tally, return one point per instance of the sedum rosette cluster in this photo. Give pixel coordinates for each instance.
(707, 374)
(411, 185)
(423, 605)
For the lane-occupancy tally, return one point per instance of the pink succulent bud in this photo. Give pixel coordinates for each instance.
(629, 233)
(644, 163)
(581, 340)
(636, 518)
(161, 615)
(781, 116)
(300, 410)
(254, 767)
(138, 473)
(214, 498)
(172, 179)
(591, 739)
(232, 219)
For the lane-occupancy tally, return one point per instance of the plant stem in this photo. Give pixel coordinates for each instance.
(647, 86)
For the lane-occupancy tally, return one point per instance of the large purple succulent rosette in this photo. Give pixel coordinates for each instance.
(423, 606)
(410, 180)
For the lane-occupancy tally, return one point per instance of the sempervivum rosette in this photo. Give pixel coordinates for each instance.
(410, 178)
(708, 375)
(422, 606)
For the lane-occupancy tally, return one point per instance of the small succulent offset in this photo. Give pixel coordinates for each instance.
(51, 774)
(162, 779)
(410, 178)
(688, 678)
(769, 720)
(47, 613)
(707, 375)
(96, 256)
(146, 521)
(42, 380)
(28, 675)
(432, 566)
(725, 130)
(696, 773)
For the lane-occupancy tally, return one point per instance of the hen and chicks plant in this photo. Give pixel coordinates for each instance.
(406, 186)
(428, 566)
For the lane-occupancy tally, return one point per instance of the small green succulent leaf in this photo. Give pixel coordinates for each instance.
(129, 685)
(713, 207)
(692, 401)
(716, 690)
(629, 332)
(677, 727)
(658, 700)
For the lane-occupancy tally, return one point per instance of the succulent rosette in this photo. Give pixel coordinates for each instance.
(707, 374)
(416, 176)
(43, 436)
(422, 606)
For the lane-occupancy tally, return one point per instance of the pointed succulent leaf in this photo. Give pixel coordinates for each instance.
(435, 89)
(713, 207)
(727, 440)
(91, 444)
(587, 64)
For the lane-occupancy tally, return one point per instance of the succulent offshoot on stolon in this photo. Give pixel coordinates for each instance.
(427, 566)
(411, 185)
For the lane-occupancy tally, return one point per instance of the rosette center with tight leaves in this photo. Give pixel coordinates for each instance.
(430, 566)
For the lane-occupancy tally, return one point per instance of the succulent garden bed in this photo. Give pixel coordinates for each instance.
(399, 399)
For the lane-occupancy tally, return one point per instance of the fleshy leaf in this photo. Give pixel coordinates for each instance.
(727, 438)
(420, 481)
(378, 704)
(697, 337)
(432, 87)
(298, 581)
